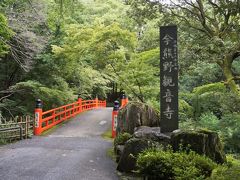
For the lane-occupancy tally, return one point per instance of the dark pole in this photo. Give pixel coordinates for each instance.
(39, 103)
(116, 106)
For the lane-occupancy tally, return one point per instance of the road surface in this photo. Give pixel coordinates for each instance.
(74, 151)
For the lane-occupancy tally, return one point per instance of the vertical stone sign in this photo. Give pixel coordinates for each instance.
(168, 78)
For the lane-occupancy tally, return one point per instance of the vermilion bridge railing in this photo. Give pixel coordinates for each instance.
(48, 119)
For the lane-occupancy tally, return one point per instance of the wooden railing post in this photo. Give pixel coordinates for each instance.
(73, 110)
(53, 117)
(96, 102)
(26, 127)
(38, 118)
(65, 113)
(80, 104)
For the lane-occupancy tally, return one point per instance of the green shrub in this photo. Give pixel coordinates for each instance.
(230, 103)
(209, 121)
(155, 163)
(199, 74)
(232, 160)
(154, 104)
(229, 127)
(185, 110)
(159, 164)
(122, 138)
(206, 98)
(27, 92)
(207, 102)
(186, 96)
(187, 124)
(213, 87)
(226, 173)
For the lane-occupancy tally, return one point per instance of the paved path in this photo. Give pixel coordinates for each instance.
(75, 151)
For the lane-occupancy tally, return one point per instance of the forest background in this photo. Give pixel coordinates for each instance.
(56, 50)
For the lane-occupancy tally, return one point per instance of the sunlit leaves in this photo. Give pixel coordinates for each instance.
(5, 35)
(141, 74)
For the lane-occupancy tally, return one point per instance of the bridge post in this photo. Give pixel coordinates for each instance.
(79, 104)
(124, 100)
(96, 101)
(114, 118)
(38, 118)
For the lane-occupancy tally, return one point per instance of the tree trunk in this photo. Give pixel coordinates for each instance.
(227, 71)
(61, 9)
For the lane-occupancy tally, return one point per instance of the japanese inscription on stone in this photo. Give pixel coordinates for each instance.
(168, 78)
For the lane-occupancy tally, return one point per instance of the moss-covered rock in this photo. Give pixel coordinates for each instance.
(119, 143)
(153, 134)
(122, 138)
(136, 114)
(127, 146)
(132, 148)
(201, 141)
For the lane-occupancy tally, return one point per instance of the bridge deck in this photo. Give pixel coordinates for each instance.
(75, 151)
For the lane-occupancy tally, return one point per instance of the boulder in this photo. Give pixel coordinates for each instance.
(132, 148)
(119, 143)
(143, 138)
(118, 151)
(136, 114)
(153, 134)
(203, 142)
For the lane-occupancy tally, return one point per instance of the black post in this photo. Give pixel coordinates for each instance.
(39, 103)
(116, 106)
(123, 96)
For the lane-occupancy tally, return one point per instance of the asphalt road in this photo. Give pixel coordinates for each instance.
(74, 151)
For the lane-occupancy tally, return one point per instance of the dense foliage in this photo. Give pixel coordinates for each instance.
(121, 139)
(5, 34)
(160, 164)
(166, 164)
(57, 50)
(230, 170)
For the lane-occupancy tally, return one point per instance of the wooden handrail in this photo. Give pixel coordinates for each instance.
(48, 119)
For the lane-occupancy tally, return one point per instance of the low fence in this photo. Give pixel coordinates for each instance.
(16, 128)
(48, 119)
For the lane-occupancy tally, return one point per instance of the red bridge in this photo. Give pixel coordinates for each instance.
(48, 119)
(75, 150)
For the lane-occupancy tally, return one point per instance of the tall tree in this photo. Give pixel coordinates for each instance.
(210, 27)
(218, 24)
